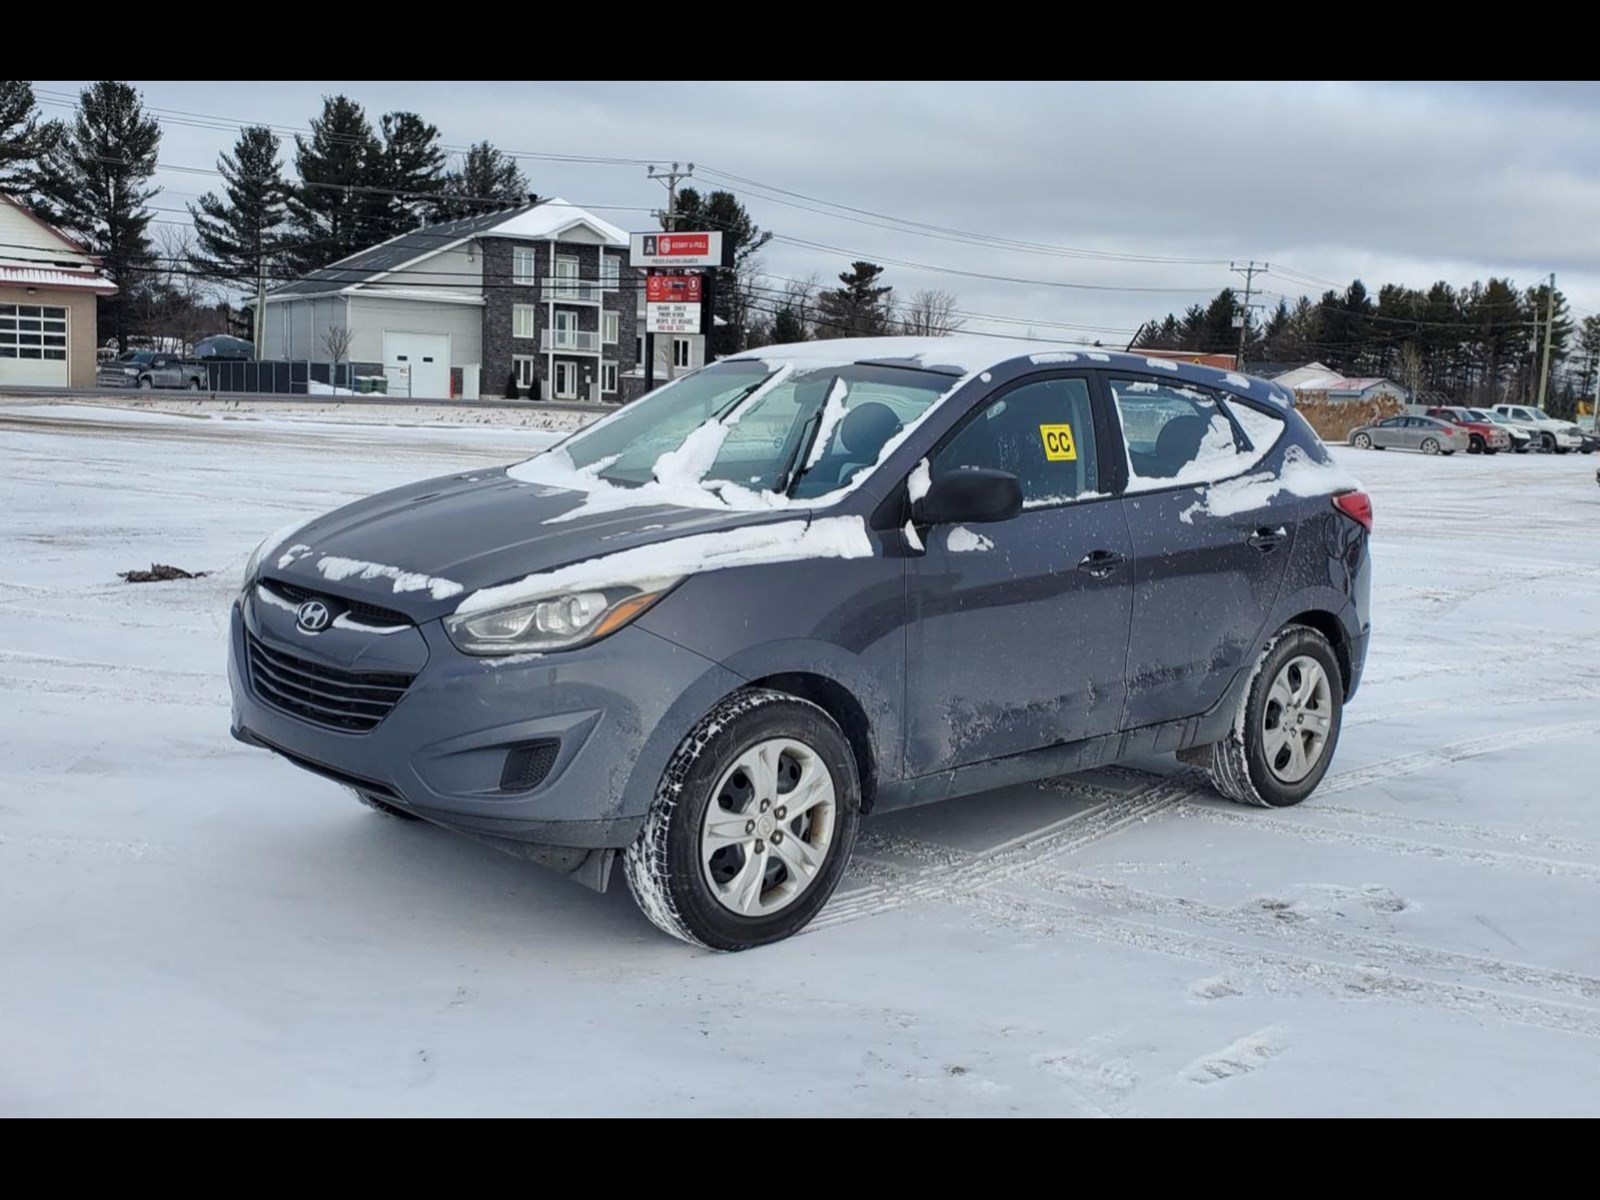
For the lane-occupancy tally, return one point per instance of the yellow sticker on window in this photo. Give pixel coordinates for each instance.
(1058, 443)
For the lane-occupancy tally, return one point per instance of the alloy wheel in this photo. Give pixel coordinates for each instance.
(768, 828)
(1297, 719)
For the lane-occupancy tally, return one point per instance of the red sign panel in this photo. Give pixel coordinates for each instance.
(683, 245)
(673, 289)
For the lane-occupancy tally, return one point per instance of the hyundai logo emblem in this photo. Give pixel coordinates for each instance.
(313, 616)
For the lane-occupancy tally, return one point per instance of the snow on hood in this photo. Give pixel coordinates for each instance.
(752, 545)
(334, 568)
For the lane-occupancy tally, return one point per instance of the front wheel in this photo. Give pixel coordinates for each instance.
(146, 385)
(1288, 723)
(751, 826)
(1362, 442)
(1476, 445)
(1430, 445)
(1547, 443)
(194, 385)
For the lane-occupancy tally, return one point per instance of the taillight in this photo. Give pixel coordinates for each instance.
(1357, 506)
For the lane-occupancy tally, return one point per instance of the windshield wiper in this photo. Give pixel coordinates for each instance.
(789, 477)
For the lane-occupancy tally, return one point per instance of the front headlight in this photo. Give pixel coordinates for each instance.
(559, 621)
(130, 371)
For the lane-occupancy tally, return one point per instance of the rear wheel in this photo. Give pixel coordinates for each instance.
(752, 824)
(1362, 442)
(1287, 726)
(1430, 445)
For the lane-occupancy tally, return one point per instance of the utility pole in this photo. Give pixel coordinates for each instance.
(1549, 327)
(260, 322)
(669, 178)
(1249, 270)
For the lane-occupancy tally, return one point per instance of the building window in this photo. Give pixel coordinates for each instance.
(524, 365)
(33, 331)
(608, 377)
(613, 328)
(682, 354)
(610, 271)
(522, 318)
(523, 269)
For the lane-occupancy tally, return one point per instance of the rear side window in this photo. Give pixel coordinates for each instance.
(1042, 432)
(1179, 434)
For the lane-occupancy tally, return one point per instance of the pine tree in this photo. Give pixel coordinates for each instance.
(240, 237)
(862, 307)
(787, 327)
(484, 179)
(329, 208)
(94, 183)
(409, 173)
(25, 139)
(720, 211)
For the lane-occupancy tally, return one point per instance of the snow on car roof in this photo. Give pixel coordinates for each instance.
(969, 356)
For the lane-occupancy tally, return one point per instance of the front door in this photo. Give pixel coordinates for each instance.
(1018, 630)
(566, 380)
(1203, 585)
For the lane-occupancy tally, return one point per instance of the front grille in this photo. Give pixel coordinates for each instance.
(354, 701)
(369, 614)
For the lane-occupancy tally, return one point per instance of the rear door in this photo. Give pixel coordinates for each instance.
(1018, 630)
(1204, 583)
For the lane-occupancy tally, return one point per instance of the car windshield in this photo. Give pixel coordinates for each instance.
(1541, 415)
(760, 425)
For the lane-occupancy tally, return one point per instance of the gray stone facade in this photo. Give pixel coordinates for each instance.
(502, 294)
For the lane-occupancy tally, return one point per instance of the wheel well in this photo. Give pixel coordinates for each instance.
(1329, 627)
(839, 703)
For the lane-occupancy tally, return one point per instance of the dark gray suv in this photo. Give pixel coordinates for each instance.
(806, 583)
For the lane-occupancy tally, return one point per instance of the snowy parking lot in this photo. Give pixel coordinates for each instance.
(190, 926)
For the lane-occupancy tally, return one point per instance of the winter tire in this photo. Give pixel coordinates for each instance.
(1430, 445)
(751, 826)
(383, 806)
(1475, 445)
(1287, 727)
(1547, 442)
(1363, 442)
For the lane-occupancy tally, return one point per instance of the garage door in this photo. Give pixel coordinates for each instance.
(33, 346)
(427, 358)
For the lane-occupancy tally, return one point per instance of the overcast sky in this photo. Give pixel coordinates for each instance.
(1389, 182)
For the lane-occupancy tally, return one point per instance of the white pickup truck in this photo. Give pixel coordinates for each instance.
(1548, 432)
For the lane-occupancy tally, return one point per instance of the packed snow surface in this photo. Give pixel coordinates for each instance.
(192, 926)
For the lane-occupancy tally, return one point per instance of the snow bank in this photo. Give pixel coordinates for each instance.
(781, 541)
(334, 568)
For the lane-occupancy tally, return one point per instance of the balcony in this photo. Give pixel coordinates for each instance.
(569, 341)
(565, 290)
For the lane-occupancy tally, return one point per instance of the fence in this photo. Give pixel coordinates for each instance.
(1334, 419)
(284, 378)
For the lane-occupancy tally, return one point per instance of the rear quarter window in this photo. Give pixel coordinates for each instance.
(1178, 434)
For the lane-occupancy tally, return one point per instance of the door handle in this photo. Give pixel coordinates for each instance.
(1267, 540)
(1100, 563)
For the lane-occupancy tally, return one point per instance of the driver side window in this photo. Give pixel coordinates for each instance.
(1042, 432)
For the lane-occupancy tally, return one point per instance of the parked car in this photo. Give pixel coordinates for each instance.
(153, 369)
(1483, 437)
(1588, 443)
(224, 346)
(708, 632)
(1409, 432)
(1550, 433)
(1521, 438)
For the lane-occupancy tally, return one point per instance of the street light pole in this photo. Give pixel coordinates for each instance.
(1549, 326)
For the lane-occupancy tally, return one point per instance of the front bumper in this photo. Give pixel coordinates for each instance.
(617, 709)
(116, 381)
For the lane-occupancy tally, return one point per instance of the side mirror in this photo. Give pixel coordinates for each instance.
(972, 497)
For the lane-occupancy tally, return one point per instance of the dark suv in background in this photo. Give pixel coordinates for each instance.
(710, 631)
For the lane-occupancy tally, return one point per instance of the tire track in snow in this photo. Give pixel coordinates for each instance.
(951, 878)
(1279, 969)
(1452, 752)
(22, 683)
(24, 656)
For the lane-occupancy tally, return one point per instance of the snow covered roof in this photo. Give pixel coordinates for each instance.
(544, 219)
(552, 217)
(45, 277)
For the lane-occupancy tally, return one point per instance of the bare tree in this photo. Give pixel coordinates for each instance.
(800, 297)
(336, 341)
(930, 313)
(1412, 369)
(178, 302)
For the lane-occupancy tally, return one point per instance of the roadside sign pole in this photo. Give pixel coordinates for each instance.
(649, 342)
